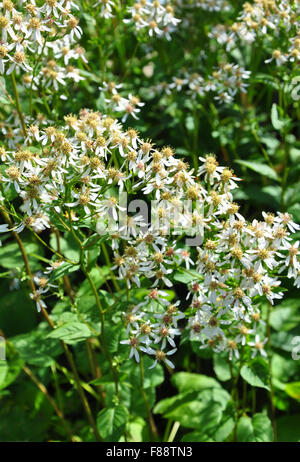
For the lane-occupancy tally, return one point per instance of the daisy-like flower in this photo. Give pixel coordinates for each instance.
(243, 335)
(164, 334)
(278, 57)
(161, 356)
(36, 296)
(53, 8)
(286, 220)
(257, 346)
(35, 29)
(106, 8)
(178, 84)
(231, 347)
(135, 347)
(18, 59)
(172, 315)
(75, 29)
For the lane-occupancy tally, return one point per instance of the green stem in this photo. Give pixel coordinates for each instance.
(271, 394)
(108, 262)
(58, 411)
(152, 426)
(173, 432)
(51, 324)
(167, 430)
(99, 306)
(17, 101)
(102, 338)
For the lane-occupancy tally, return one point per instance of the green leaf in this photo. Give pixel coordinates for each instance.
(225, 428)
(71, 332)
(135, 431)
(294, 210)
(200, 410)
(256, 373)
(257, 429)
(286, 316)
(196, 437)
(260, 168)
(88, 311)
(27, 416)
(293, 390)
(186, 277)
(111, 422)
(187, 381)
(168, 404)
(295, 154)
(283, 368)
(11, 257)
(202, 415)
(152, 377)
(68, 246)
(14, 368)
(35, 348)
(62, 270)
(221, 367)
(113, 334)
(277, 124)
(262, 196)
(98, 277)
(271, 142)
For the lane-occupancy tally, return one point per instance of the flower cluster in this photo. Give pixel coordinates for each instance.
(213, 5)
(48, 31)
(225, 82)
(106, 8)
(119, 104)
(155, 17)
(76, 173)
(275, 23)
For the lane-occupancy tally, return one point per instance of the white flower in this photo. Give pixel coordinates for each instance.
(161, 356)
(258, 346)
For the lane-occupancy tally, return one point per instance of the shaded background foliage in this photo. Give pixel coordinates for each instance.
(258, 136)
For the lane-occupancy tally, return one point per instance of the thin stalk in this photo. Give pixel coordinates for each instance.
(95, 369)
(45, 392)
(66, 280)
(51, 324)
(17, 101)
(167, 430)
(271, 394)
(52, 250)
(56, 385)
(235, 398)
(81, 393)
(58, 411)
(152, 426)
(99, 306)
(107, 260)
(244, 395)
(173, 432)
(102, 339)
